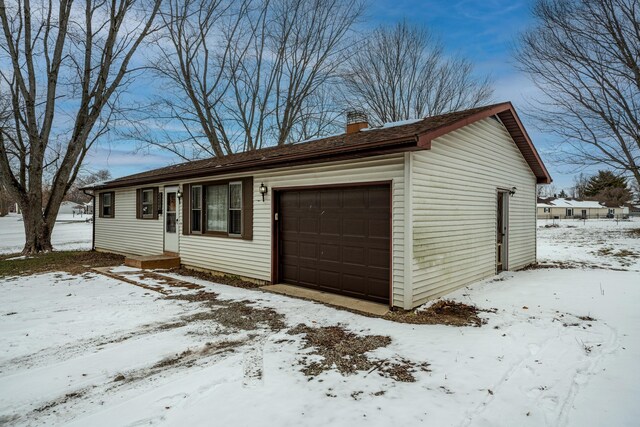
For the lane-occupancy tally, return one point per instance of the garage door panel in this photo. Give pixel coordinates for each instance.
(308, 275)
(353, 255)
(308, 200)
(330, 252)
(354, 199)
(356, 227)
(330, 199)
(337, 239)
(330, 226)
(378, 258)
(379, 198)
(379, 228)
(308, 250)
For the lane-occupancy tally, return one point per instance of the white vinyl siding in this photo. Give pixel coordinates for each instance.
(124, 233)
(454, 198)
(252, 258)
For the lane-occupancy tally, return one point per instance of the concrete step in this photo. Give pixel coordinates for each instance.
(153, 261)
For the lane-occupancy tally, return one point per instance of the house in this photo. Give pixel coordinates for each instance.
(88, 207)
(67, 208)
(634, 209)
(381, 214)
(566, 208)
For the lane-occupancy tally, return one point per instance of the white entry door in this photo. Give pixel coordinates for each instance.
(171, 219)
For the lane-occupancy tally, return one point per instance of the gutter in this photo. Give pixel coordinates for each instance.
(93, 220)
(326, 155)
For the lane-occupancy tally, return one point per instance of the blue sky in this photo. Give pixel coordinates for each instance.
(482, 30)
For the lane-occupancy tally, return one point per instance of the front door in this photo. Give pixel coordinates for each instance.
(502, 239)
(171, 219)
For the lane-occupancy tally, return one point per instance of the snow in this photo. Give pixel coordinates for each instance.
(535, 363)
(394, 124)
(601, 243)
(71, 232)
(568, 203)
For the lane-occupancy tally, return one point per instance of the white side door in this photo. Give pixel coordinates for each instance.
(170, 210)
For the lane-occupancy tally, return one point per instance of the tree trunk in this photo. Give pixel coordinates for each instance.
(37, 230)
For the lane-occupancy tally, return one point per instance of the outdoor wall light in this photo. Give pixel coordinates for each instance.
(512, 191)
(179, 194)
(263, 190)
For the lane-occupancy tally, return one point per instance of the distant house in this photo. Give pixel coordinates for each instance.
(67, 208)
(566, 208)
(634, 209)
(374, 213)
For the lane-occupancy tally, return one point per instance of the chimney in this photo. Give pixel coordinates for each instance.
(356, 121)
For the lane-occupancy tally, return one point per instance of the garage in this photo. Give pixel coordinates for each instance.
(336, 239)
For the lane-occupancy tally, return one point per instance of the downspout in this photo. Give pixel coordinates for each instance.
(93, 220)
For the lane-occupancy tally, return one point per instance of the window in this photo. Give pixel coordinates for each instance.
(547, 210)
(221, 209)
(235, 208)
(107, 205)
(612, 211)
(147, 202)
(217, 203)
(569, 212)
(196, 209)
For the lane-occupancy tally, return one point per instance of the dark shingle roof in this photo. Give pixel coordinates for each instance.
(411, 136)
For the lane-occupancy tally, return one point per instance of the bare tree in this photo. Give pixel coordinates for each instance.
(584, 56)
(66, 67)
(402, 72)
(546, 191)
(75, 194)
(246, 74)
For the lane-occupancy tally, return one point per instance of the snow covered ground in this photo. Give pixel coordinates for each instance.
(70, 233)
(561, 349)
(603, 243)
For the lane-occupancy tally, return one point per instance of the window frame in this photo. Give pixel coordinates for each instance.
(246, 209)
(191, 209)
(112, 205)
(569, 210)
(155, 195)
(152, 202)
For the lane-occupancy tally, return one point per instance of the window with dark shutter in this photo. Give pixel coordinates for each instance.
(107, 205)
(147, 203)
(222, 209)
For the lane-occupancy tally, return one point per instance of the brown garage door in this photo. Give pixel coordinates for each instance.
(336, 240)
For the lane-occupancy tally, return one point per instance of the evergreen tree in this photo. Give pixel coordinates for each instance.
(604, 179)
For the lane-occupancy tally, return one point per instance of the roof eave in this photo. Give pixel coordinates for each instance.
(321, 156)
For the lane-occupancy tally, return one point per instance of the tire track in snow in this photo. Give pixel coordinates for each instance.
(612, 345)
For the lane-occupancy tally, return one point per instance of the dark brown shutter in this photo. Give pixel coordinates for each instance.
(113, 204)
(247, 208)
(99, 205)
(186, 203)
(139, 203)
(155, 202)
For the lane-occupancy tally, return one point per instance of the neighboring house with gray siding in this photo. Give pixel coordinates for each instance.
(376, 213)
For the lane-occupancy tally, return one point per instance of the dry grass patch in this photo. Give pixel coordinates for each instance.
(634, 232)
(443, 312)
(236, 315)
(225, 279)
(73, 262)
(346, 352)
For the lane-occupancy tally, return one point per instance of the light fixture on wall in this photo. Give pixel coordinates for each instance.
(263, 190)
(512, 191)
(179, 194)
